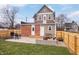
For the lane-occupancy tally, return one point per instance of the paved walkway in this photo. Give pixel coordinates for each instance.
(40, 41)
(24, 40)
(60, 43)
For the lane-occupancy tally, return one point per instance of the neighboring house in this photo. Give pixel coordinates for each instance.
(17, 26)
(60, 20)
(71, 27)
(44, 23)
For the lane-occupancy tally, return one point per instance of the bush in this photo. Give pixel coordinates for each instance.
(60, 39)
(47, 36)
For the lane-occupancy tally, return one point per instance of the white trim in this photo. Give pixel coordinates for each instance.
(55, 29)
(44, 13)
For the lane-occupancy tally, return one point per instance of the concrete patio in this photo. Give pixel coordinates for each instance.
(38, 41)
(23, 40)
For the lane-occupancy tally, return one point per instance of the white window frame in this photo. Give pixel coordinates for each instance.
(44, 17)
(50, 17)
(49, 27)
(33, 28)
(33, 31)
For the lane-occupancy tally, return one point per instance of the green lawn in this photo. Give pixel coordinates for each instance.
(11, 48)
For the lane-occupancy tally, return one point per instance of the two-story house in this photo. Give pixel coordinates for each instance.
(44, 23)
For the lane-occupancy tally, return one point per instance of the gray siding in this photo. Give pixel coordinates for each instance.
(45, 9)
(46, 16)
(52, 31)
(45, 12)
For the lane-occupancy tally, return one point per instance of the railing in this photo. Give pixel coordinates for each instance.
(71, 40)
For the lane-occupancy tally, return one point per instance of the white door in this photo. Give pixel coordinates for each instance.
(33, 30)
(41, 30)
(44, 21)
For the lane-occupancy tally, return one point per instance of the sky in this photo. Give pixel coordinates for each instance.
(28, 10)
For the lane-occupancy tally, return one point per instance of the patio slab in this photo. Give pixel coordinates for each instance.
(38, 41)
(23, 40)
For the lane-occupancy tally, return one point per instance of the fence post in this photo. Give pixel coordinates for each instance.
(68, 40)
(61, 34)
(75, 44)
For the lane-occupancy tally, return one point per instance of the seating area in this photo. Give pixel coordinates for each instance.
(47, 36)
(9, 33)
(15, 35)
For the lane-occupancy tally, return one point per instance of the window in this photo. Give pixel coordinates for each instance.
(50, 27)
(33, 29)
(44, 17)
(54, 15)
(39, 17)
(49, 16)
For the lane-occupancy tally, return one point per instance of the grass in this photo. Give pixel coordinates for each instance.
(11, 48)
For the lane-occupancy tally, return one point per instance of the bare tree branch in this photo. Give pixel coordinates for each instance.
(9, 13)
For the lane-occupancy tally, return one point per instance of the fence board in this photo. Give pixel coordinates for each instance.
(6, 33)
(71, 40)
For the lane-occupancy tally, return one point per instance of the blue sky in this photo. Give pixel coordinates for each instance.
(28, 10)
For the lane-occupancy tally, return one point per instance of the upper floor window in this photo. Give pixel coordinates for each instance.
(49, 16)
(40, 17)
(44, 17)
(54, 15)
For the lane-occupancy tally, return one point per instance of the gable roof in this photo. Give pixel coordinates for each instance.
(49, 7)
(43, 7)
(69, 25)
(22, 22)
(73, 22)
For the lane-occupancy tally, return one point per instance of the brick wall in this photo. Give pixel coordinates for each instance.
(26, 30)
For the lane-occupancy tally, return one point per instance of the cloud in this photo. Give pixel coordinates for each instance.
(2, 5)
(76, 13)
(30, 20)
(18, 5)
(66, 7)
(74, 16)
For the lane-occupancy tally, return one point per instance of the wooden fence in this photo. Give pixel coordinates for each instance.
(71, 40)
(6, 33)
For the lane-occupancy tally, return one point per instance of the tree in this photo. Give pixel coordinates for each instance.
(60, 21)
(9, 13)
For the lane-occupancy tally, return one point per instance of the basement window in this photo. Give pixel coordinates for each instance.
(50, 27)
